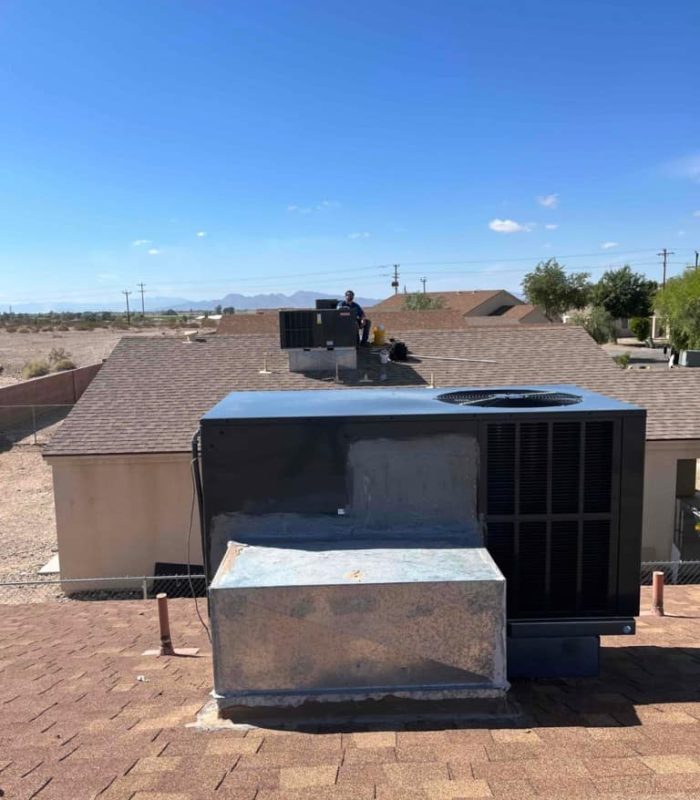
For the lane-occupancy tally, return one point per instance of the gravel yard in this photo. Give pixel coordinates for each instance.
(84, 347)
(27, 523)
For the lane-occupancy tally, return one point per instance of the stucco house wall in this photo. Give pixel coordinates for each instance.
(118, 515)
(660, 494)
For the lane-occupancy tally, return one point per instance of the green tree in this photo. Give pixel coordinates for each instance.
(678, 305)
(549, 287)
(217, 309)
(229, 310)
(420, 301)
(623, 293)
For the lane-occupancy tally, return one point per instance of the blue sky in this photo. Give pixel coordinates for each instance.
(206, 146)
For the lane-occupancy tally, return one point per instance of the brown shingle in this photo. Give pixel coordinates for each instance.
(149, 395)
(463, 302)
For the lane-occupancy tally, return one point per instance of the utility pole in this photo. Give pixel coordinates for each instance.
(423, 280)
(128, 313)
(665, 254)
(697, 254)
(395, 282)
(143, 309)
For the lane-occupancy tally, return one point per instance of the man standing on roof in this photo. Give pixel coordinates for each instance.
(362, 321)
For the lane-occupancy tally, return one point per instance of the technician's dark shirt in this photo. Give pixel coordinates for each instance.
(358, 309)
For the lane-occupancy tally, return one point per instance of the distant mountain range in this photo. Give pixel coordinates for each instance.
(242, 302)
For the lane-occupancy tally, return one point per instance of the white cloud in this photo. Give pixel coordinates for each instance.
(549, 200)
(361, 235)
(508, 226)
(324, 205)
(688, 167)
(551, 227)
(201, 234)
(609, 245)
(154, 251)
(696, 213)
(680, 233)
(141, 242)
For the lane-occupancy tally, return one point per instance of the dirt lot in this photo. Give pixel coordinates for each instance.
(84, 347)
(27, 524)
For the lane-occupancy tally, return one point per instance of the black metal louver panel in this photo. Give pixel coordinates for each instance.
(501, 469)
(566, 459)
(532, 568)
(297, 329)
(598, 467)
(534, 455)
(595, 565)
(549, 515)
(563, 565)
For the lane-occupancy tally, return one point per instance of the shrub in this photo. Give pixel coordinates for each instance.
(598, 323)
(62, 328)
(23, 330)
(11, 328)
(35, 369)
(641, 328)
(623, 360)
(57, 354)
(63, 364)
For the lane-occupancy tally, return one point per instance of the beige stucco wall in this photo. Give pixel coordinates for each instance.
(503, 298)
(660, 495)
(118, 515)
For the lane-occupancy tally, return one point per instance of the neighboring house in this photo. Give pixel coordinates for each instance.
(395, 321)
(122, 460)
(475, 304)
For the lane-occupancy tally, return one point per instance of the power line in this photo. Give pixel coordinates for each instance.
(143, 308)
(128, 313)
(395, 282)
(665, 254)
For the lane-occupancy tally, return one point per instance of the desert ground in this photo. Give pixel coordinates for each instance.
(84, 347)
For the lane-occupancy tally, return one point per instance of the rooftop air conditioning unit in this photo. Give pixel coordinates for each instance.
(550, 477)
(317, 329)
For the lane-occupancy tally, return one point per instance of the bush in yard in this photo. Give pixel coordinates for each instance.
(641, 327)
(63, 364)
(35, 369)
(598, 323)
(58, 354)
(623, 360)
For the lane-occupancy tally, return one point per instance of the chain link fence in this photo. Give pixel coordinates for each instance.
(53, 589)
(143, 587)
(30, 424)
(676, 573)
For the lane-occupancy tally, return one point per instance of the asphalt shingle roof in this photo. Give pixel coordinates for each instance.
(149, 395)
(464, 302)
(86, 715)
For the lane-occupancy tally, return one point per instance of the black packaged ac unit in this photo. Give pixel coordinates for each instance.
(318, 328)
(556, 474)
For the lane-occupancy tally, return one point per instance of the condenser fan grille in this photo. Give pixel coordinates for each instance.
(510, 398)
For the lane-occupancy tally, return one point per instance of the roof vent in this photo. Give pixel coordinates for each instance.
(510, 398)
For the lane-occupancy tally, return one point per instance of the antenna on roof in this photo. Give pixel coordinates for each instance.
(264, 370)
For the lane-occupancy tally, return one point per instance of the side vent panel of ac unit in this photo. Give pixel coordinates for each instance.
(549, 514)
